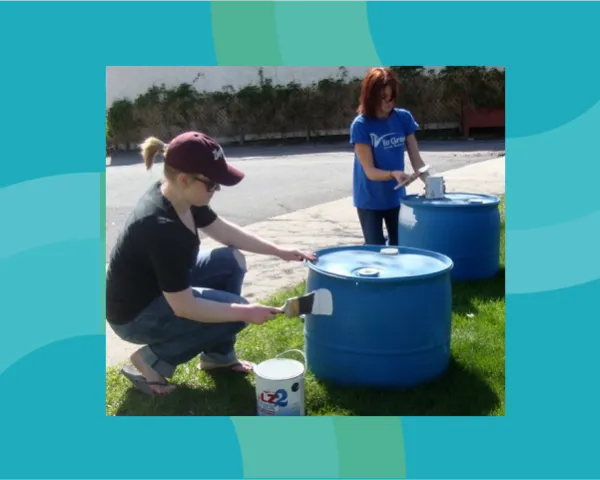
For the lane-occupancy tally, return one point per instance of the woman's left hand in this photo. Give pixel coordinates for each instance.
(289, 255)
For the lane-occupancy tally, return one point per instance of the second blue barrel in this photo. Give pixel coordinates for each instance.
(392, 316)
(462, 226)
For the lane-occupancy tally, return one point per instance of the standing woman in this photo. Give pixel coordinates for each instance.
(380, 134)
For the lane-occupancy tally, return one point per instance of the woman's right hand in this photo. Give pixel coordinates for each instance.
(259, 314)
(400, 176)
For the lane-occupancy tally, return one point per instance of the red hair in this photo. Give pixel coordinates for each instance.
(373, 85)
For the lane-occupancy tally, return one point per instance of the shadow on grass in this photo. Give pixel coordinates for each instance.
(231, 394)
(467, 295)
(458, 392)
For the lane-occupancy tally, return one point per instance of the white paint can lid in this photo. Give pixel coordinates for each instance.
(279, 369)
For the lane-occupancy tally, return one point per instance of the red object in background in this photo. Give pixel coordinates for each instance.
(482, 118)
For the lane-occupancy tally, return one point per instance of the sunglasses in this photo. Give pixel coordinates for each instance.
(210, 185)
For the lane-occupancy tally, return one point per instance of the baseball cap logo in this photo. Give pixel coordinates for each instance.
(218, 153)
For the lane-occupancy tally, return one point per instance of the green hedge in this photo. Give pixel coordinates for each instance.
(266, 109)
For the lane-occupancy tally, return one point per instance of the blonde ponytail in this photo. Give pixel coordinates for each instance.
(150, 148)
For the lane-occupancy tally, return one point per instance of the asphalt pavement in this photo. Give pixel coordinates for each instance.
(279, 179)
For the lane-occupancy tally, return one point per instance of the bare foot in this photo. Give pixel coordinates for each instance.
(158, 383)
(239, 366)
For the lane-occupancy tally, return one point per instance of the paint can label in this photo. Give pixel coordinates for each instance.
(280, 402)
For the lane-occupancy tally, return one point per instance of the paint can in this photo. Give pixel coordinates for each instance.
(280, 386)
(434, 187)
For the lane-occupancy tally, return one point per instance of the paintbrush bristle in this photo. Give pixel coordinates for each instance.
(318, 302)
(305, 303)
(297, 306)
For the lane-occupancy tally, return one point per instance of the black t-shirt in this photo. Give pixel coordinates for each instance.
(154, 253)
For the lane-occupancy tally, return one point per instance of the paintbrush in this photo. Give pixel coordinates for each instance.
(413, 177)
(318, 302)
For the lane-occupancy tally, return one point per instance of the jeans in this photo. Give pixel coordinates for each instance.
(371, 223)
(170, 340)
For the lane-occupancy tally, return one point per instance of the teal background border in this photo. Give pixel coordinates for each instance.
(52, 93)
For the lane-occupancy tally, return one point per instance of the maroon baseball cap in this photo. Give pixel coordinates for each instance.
(195, 152)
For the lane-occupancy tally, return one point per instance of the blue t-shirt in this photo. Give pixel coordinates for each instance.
(386, 136)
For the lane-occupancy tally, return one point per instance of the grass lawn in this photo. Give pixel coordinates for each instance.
(473, 385)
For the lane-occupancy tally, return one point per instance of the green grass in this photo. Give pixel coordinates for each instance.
(473, 384)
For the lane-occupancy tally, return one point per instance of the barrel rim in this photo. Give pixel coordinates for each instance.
(411, 200)
(449, 264)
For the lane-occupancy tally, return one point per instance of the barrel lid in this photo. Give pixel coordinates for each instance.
(279, 369)
(453, 200)
(367, 263)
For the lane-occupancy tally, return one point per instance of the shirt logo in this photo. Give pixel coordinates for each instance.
(387, 140)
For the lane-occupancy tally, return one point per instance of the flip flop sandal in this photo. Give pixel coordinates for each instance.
(208, 366)
(139, 381)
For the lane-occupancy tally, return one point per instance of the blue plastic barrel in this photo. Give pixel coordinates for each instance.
(462, 226)
(392, 316)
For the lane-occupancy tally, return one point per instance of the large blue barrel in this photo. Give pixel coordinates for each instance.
(462, 226)
(392, 316)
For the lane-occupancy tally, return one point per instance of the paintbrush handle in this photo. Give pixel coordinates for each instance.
(286, 308)
(290, 307)
(406, 182)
